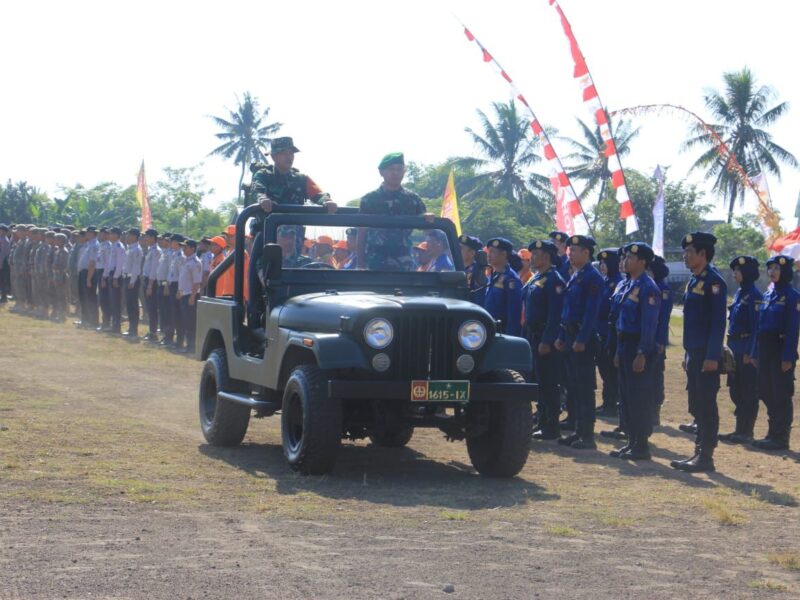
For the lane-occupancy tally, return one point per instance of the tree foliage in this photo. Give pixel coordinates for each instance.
(21, 203)
(742, 113)
(737, 238)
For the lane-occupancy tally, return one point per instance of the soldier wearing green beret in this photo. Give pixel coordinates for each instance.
(389, 249)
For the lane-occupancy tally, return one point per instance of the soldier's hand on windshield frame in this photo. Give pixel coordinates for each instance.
(265, 203)
(331, 206)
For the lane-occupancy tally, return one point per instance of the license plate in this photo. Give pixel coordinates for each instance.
(439, 391)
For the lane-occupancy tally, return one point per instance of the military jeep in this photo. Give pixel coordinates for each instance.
(358, 353)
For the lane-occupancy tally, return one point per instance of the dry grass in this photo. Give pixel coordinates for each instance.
(562, 531)
(787, 560)
(765, 584)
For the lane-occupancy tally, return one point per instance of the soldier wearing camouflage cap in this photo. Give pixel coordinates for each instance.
(59, 278)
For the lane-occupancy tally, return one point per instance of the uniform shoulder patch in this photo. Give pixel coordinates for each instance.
(715, 288)
(560, 288)
(664, 295)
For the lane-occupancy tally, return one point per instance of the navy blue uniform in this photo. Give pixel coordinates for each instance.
(583, 296)
(704, 307)
(476, 280)
(742, 323)
(544, 301)
(636, 334)
(563, 267)
(605, 360)
(778, 325)
(662, 340)
(503, 301)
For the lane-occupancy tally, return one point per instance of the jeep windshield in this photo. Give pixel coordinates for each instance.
(355, 242)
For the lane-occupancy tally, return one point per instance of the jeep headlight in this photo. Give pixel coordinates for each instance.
(472, 335)
(378, 333)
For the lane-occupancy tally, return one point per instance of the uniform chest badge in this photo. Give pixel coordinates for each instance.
(715, 289)
(652, 300)
(560, 288)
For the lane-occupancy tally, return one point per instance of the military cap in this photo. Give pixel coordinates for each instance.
(640, 250)
(205, 240)
(545, 245)
(91, 229)
(514, 261)
(49, 233)
(151, 232)
(81, 232)
(351, 232)
(61, 237)
(104, 230)
(659, 268)
(583, 241)
(393, 158)
(698, 239)
(558, 236)
(500, 244)
(115, 230)
(189, 242)
(470, 241)
(281, 144)
(3, 227)
(166, 235)
(744, 261)
(133, 231)
(610, 256)
(177, 237)
(781, 260)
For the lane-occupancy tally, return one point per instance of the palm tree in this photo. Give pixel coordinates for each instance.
(590, 162)
(741, 113)
(245, 138)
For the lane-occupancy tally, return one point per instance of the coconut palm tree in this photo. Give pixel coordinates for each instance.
(245, 134)
(741, 112)
(589, 162)
(507, 149)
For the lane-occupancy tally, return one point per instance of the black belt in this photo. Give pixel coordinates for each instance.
(572, 328)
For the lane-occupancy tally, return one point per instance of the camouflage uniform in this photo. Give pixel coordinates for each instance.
(291, 188)
(60, 279)
(40, 273)
(30, 273)
(390, 249)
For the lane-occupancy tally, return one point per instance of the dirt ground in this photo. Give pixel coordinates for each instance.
(107, 490)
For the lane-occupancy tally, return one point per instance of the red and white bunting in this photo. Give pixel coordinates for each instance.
(569, 214)
(592, 101)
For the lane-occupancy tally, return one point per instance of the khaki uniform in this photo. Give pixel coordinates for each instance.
(60, 281)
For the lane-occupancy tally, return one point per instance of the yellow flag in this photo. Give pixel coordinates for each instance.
(450, 203)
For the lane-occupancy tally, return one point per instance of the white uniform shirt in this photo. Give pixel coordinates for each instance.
(164, 262)
(191, 274)
(175, 266)
(151, 262)
(88, 254)
(205, 261)
(116, 260)
(102, 255)
(133, 262)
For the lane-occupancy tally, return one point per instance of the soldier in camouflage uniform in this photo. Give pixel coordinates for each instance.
(283, 184)
(30, 265)
(389, 249)
(59, 278)
(17, 267)
(40, 274)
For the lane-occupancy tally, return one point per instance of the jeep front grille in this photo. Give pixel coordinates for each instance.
(425, 347)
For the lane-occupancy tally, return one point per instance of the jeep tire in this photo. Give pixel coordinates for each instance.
(502, 450)
(224, 423)
(311, 422)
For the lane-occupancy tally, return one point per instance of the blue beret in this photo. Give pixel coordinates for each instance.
(640, 250)
(500, 244)
(470, 241)
(782, 260)
(545, 245)
(698, 239)
(558, 236)
(584, 241)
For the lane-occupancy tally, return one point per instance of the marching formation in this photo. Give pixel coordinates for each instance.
(582, 311)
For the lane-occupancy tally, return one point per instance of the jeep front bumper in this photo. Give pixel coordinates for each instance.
(401, 390)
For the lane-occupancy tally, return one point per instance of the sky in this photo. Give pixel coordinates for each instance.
(93, 88)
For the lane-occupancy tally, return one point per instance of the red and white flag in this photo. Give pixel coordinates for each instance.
(569, 215)
(592, 101)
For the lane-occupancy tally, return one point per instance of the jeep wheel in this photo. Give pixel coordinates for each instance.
(501, 451)
(392, 437)
(223, 423)
(311, 422)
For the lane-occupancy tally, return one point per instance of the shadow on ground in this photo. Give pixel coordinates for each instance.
(392, 476)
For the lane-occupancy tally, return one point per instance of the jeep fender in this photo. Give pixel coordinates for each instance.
(330, 350)
(507, 352)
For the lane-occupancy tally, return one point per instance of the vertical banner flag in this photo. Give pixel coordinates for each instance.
(797, 210)
(768, 220)
(658, 214)
(569, 215)
(592, 101)
(141, 199)
(450, 203)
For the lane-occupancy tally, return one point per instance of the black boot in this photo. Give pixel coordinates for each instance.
(617, 434)
(703, 462)
(675, 463)
(567, 424)
(657, 415)
(688, 427)
(743, 433)
(569, 439)
(620, 451)
(776, 441)
(733, 435)
(639, 451)
(586, 439)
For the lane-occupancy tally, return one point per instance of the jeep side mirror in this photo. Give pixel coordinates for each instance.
(273, 261)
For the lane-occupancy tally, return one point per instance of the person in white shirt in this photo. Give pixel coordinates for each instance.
(132, 272)
(190, 280)
(87, 279)
(162, 285)
(176, 323)
(103, 291)
(150, 274)
(115, 262)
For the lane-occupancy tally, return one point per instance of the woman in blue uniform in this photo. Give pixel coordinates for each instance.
(742, 322)
(544, 300)
(503, 298)
(775, 351)
(608, 261)
(659, 272)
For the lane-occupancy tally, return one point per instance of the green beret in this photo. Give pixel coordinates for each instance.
(393, 158)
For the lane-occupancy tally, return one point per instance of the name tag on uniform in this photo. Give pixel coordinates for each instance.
(540, 282)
